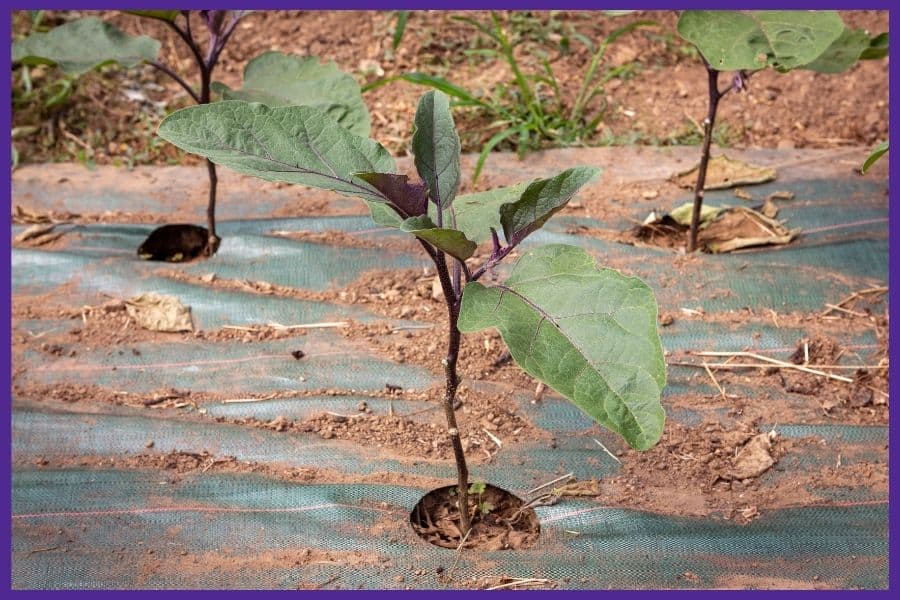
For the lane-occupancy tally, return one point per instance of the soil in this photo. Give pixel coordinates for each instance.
(658, 97)
(500, 520)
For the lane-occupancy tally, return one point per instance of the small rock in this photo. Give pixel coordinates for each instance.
(279, 423)
(437, 292)
(649, 194)
(149, 444)
(298, 354)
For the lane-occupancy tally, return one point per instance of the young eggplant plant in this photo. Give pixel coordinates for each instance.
(748, 41)
(79, 46)
(589, 333)
(276, 79)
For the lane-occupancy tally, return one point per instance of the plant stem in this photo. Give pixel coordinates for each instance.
(452, 382)
(212, 240)
(206, 66)
(708, 123)
(177, 79)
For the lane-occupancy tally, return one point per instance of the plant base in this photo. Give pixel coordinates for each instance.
(174, 243)
(499, 520)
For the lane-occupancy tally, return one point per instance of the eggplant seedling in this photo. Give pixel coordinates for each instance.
(276, 79)
(589, 333)
(748, 41)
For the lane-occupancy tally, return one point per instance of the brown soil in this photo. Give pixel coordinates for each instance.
(500, 520)
(706, 472)
(177, 464)
(335, 237)
(659, 98)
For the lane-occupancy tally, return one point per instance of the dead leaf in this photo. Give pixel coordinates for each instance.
(780, 195)
(157, 312)
(769, 209)
(723, 172)
(39, 235)
(741, 227)
(754, 458)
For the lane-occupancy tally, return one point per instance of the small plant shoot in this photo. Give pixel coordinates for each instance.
(276, 79)
(748, 41)
(588, 332)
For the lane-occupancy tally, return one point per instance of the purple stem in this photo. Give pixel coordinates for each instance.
(178, 79)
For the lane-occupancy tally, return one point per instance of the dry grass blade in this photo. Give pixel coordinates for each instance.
(778, 363)
(605, 449)
(566, 477)
(519, 583)
(840, 306)
(714, 380)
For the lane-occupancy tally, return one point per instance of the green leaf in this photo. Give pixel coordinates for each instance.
(489, 146)
(399, 28)
(878, 48)
(540, 201)
(436, 146)
(160, 15)
(877, 153)
(588, 333)
(842, 54)
(79, 46)
(451, 241)
(278, 79)
(784, 39)
(294, 144)
(384, 215)
(477, 213)
(463, 98)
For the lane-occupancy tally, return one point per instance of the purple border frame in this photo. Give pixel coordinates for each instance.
(5, 21)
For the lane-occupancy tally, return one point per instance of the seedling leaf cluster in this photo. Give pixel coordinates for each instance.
(587, 332)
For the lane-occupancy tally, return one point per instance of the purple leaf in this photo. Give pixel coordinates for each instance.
(409, 199)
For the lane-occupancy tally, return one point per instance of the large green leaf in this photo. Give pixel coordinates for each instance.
(784, 39)
(436, 146)
(842, 54)
(588, 333)
(540, 201)
(79, 46)
(451, 241)
(279, 79)
(295, 144)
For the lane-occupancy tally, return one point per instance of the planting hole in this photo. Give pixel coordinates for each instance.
(500, 520)
(174, 243)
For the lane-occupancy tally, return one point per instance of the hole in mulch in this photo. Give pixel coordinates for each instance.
(174, 243)
(500, 520)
